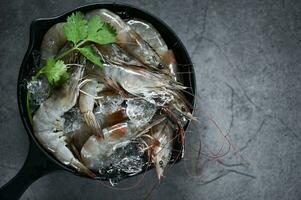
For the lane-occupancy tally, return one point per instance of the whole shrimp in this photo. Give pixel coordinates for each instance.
(129, 40)
(159, 146)
(52, 42)
(48, 122)
(155, 88)
(152, 36)
(96, 150)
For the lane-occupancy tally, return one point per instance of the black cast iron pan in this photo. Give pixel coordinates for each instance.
(39, 161)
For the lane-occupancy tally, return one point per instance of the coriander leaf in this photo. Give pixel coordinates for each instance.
(63, 79)
(100, 32)
(56, 72)
(75, 28)
(90, 54)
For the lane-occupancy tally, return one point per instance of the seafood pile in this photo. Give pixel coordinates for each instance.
(114, 120)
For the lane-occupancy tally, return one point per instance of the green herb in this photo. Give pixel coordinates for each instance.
(55, 71)
(90, 54)
(28, 107)
(79, 31)
(100, 32)
(82, 33)
(75, 28)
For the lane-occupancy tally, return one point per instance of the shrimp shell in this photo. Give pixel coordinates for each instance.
(149, 34)
(152, 36)
(52, 42)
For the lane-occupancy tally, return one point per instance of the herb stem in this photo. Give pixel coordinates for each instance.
(28, 107)
(81, 43)
(37, 74)
(70, 50)
(64, 54)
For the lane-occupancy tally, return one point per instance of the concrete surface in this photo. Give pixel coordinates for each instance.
(247, 56)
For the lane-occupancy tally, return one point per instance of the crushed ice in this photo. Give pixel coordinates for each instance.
(73, 120)
(127, 160)
(39, 91)
(139, 111)
(109, 104)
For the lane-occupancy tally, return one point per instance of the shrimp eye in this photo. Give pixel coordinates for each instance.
(161, 163)
(160, 66)
(183, 108)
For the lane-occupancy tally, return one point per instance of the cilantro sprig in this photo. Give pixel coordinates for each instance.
(82, 34)
(79, 31)
(56, 72)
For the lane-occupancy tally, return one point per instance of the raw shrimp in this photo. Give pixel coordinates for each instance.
(86, 104)
(52, 42)
(129, 40)
(48, 122)
(151, 35)
(96, 150)
(159, 141)
(155, 88)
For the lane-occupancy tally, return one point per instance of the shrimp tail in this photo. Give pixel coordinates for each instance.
(159, 171)
(93, 123)
(82, 168)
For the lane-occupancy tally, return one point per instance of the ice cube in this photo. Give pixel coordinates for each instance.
(39, 91)
(140, 112)
(73, 120)
(124, 160)
(107, 105)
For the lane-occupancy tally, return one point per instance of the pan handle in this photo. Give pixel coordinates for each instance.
(35, 166)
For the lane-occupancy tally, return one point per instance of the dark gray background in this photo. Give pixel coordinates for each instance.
(247, 56)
